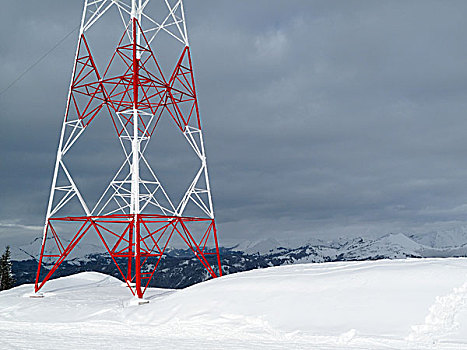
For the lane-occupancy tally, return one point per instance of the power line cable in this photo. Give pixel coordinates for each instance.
(38, 61)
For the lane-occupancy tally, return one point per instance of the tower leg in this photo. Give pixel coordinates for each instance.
(214, 230)
(142, 237)
(130, 253)
(138, 258)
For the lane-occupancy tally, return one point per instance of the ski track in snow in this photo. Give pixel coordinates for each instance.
(111, 336)
(441, 319)
(175, 336)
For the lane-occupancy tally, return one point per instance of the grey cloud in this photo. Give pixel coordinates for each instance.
(321, 118)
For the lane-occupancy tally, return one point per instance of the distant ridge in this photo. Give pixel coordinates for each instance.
(180, 269)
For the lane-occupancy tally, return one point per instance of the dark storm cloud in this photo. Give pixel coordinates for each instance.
(321, 117)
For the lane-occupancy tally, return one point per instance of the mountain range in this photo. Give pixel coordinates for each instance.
(180, 269)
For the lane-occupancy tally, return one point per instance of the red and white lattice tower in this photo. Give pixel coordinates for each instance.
(135, 217)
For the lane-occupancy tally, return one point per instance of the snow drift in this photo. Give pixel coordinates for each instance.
(397, 304)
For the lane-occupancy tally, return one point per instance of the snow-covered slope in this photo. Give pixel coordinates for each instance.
(390, 246)
(394, 245)
(32, 250)
(262, 247)
(449, 238)
(385, 304)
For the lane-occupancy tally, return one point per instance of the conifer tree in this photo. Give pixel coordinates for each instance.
(6, 275)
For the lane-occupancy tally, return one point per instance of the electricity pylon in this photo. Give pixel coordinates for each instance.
(135, 217)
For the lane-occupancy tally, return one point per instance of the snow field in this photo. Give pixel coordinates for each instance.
(385, 304)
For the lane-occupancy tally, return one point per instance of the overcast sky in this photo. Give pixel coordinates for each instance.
(321, 118)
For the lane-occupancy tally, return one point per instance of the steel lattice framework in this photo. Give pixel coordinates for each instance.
(135, 217)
